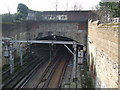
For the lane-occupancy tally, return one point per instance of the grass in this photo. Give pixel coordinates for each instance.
(5, 67)
(7, 23)
(87, 78)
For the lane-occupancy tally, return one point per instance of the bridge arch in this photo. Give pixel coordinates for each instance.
(63, 36)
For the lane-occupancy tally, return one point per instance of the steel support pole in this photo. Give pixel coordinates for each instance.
(50, 52)
(79, 57)
(69, 49)
(74, 63)
(21, 56)
(11, 57)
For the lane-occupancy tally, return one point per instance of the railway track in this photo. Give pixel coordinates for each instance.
(16, 77)
(51, 74)
(6, 73)
(41, 75)
(46, 73)
(55, 81)
(19, 77)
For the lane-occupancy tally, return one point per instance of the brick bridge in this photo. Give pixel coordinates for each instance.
(69, 24)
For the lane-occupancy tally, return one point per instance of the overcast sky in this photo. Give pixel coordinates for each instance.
(46, 5)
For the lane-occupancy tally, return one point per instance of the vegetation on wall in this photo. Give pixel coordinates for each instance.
(7, 18)
(22, 12)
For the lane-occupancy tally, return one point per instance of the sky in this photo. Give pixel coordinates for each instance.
(47, 5)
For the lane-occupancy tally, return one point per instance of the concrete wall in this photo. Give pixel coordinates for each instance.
(103, 53)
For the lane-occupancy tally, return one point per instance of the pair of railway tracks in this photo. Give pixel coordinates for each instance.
(52, 73)
(11, 82)
(12, 79)
(6, 71)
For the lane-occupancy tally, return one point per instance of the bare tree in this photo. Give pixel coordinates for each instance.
(77, 7)
(67, 6)
(56, 5)
(103, 14)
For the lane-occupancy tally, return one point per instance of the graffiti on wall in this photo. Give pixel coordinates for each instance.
(55, 17)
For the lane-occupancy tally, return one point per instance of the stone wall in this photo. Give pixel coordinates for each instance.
(103, 53)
